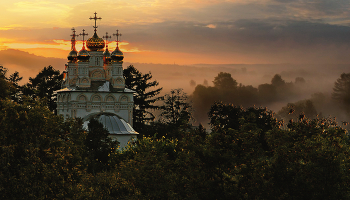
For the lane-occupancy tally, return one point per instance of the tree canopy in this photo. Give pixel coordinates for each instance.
(341, 90)
(145, 96)
(224, 81)
(176, 109)
(227, 90)
(9, 85)
(43, 86)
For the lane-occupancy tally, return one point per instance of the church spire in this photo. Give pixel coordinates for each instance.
(83, 34)
(83, 55)
(117, 34)
(95, 43)
(106, 37)
(106, 54)
(72, 56)
(117, 55)
(73, 40)
(95, 18)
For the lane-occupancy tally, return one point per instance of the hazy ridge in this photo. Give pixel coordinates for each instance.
(319, 78)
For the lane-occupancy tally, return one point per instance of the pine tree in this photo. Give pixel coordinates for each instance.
(341, 91)
(9, 85)
(144, 98)
(43, 86)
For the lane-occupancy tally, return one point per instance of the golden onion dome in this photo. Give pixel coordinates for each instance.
(106, 56)
(117, 55)
(83, 55)
(95, 43)
(72, 56)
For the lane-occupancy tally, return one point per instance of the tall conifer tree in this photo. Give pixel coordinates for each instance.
(145, 96)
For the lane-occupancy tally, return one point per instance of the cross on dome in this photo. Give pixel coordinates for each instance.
(106, 37)
(95, 18)
(83, 34)
(117, 34)
(74, 31)
(73, 39)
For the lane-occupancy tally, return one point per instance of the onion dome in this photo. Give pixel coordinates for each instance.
(83, 55)
(112, 122)
(73, 56)
(95, 43)
(107, 56)
(117, 55)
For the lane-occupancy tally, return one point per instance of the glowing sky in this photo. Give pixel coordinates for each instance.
(186, 31)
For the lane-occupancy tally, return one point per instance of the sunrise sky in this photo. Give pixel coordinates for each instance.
(186, 31)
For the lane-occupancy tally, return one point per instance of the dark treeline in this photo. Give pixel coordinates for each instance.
(227, 90)
(248, 154)
(319, 104)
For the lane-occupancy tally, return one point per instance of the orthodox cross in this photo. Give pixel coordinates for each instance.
(83, 34)
(117, 34)
(73, 38)
(106, 37)
(95, 18)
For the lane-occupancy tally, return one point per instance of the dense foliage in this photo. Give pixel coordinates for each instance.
(43, 86)
(9, 84)
(248, 154)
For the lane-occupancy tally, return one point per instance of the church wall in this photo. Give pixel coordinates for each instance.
(96, 58)
(81, 104)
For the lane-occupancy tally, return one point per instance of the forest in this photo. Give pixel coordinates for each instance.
(248, 151)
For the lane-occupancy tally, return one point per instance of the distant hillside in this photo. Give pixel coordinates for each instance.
(28, 65)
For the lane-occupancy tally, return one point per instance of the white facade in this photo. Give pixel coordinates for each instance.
(94, 83)
(80, 103)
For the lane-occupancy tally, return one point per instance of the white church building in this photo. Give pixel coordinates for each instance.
(94, 87)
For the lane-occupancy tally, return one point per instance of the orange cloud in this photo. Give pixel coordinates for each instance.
(58, 44)
(211, 26)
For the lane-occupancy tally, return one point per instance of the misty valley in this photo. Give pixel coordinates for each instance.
(307, 89)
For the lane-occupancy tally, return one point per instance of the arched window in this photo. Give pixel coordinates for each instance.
(81, 98)
(96, 98)
(110, 98)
